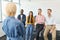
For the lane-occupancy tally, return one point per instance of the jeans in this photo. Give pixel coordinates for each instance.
(29, 32)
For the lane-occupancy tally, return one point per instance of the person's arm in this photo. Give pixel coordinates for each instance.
(36, 19)
(24, 19)
(4, 27)
(18, 17)
(44, 22)
(54, 25)
(33, 21)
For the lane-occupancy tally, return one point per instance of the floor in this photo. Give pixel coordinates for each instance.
(3, 38)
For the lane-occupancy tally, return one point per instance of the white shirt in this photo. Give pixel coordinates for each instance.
(50, 20)
(21, 17)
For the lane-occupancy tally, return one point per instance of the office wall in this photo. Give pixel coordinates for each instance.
(44, 5)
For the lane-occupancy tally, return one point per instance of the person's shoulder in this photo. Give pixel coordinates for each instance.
(17, 21)
(46, 17)
(53, 16)
(43, 16)
(24, 15)
(19, 15)
(37, 15)
(5, 20)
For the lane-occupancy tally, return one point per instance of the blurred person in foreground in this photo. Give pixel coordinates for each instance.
(12, 27)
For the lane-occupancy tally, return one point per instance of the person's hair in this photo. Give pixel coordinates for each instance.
(50, 10)
(40, 10)
(22, 10)
(31, 17)
(11, 9)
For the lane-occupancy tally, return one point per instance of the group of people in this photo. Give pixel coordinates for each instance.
(15, 28)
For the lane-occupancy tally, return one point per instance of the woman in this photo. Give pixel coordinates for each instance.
(12, 27)
(40, 21)
(30, 25)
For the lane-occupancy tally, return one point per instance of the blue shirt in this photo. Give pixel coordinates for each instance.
(12, 27)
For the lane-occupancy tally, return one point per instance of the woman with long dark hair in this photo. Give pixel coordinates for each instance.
(30, 24)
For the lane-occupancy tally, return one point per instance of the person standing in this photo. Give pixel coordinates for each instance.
(50, 25)
(30, 26)
(12, 27)
(22, 17)
(40, 22)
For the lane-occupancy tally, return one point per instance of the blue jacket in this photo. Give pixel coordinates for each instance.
(23, 18)
(13, 28)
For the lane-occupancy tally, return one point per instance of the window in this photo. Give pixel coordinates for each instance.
(7, 0)
(16, 1)
(0, 11)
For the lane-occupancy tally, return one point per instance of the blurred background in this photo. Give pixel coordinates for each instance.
(33, 5)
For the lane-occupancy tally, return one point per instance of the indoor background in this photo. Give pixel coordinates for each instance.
(33, 5)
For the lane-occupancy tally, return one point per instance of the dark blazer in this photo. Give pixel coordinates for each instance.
(23, 18)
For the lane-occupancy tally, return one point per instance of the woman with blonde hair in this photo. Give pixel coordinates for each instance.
(12, 27)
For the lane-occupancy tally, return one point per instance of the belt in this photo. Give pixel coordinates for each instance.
(50, 25)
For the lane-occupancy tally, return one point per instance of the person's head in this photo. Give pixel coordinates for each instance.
(31, 13)
(39, 11)
(30, 16)
(49, 11)
(22, 11)
(11, 9)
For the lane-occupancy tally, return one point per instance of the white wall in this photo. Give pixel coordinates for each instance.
(44, 5)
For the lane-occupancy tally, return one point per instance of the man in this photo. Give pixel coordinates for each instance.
(40, 21)
(50, 26)
(22, 17)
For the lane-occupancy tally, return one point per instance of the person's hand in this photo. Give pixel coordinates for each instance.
(44, 26)
(51, 31)
(26, 25)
